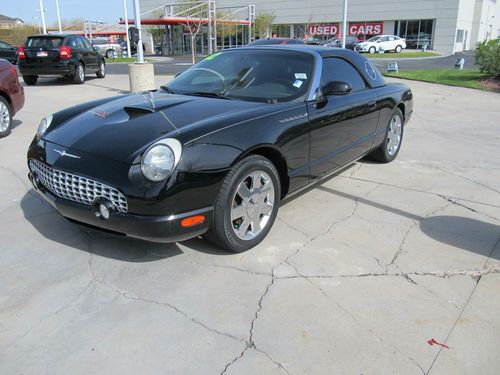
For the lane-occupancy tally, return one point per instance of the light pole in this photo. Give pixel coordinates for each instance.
(126, 27)
(58, 16)
(344, 25)
(42, 10)
(137, 16)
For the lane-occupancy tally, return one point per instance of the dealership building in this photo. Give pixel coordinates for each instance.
(443, 25)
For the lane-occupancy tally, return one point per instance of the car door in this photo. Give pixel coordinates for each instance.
(342, 128)
(90, 55)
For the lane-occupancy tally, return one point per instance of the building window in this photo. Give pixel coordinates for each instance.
(460, 36)
(417, 33)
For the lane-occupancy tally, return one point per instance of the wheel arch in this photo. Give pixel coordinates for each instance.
(402, 107)
(275, 156)
(6, 97)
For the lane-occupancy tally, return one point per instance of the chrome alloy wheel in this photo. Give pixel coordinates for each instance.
(252, 205)
(102, 69)
(4, 117)
(394, 135)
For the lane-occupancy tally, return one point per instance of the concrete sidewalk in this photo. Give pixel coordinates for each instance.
(358, 274)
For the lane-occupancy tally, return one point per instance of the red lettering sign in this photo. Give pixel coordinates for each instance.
(331, 29)
(363, 28)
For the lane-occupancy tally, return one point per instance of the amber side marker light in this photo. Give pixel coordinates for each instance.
(192, 221)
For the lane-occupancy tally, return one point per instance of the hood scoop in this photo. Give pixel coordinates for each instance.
(137, 111)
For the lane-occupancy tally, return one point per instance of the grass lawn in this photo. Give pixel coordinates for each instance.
(470, 78)
(403, 55)
(121, 60)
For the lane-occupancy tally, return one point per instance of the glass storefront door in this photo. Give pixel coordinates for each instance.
(417, 33)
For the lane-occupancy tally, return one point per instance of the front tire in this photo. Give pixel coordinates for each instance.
(246, 206)
(5, 117)
(30, 80)
(101, 72)
(79, 76)
(372, 50)
(110, 53)
(391, 145)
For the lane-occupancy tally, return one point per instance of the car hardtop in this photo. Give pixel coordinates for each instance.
(364, 66)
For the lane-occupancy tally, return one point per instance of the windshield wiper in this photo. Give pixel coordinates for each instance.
(167, 89)
(208, 95)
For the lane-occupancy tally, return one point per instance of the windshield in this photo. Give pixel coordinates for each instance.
(373, 39)
(248, 74)
(45, 42)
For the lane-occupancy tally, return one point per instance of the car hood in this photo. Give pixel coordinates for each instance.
(122, 128)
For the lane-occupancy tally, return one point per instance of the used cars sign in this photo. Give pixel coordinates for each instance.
(363, 28)
(331, 29)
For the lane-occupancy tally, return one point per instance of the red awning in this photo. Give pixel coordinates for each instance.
(181, 20)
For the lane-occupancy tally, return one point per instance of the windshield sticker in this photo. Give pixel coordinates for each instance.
(213, 56)
(300, 76)
(298, 83)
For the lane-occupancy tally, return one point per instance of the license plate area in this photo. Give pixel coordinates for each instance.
(41, 54)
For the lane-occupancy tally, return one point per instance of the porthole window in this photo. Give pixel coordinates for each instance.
(370, 71)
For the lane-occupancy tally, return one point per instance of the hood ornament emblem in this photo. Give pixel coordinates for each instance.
(101, 114)
(64, 153)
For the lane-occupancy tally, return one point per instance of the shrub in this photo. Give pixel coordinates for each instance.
(488, 57)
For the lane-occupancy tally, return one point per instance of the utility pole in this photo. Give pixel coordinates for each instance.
(126, 27)
(58, 16)
(42, 10)
(137, 16)
(344, 25)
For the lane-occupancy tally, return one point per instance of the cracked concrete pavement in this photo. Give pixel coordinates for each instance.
(356, 276)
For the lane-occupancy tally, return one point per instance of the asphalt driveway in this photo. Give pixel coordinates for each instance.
(361, 274)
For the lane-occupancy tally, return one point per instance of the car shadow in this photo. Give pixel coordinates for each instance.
(55, 228)
(16, 123)
(57, 81)
(457, 231)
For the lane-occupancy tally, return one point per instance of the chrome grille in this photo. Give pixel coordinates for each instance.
(76, 188)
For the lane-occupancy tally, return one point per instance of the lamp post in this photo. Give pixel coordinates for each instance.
(42, 10)
(137, 16)
(58, 16)
(126, 27)
(344, 25)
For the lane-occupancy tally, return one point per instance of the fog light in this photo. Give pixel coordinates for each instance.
(103, 211)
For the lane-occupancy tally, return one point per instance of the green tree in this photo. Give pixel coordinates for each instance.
(488, 57)
(263, 24)
(195, 13)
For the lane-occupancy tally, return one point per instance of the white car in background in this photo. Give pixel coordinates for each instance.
(382, 42)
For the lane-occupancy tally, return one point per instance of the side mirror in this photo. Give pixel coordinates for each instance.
(336, 88)
(96, 48)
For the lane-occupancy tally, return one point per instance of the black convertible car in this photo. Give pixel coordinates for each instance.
(215, 150)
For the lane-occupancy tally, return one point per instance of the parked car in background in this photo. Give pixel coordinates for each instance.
(11, 96)
(418, 40)
(350, 43)
(270, 41)
(215, 150)
(70, 56)
(107, 48)
(315, 41)
(8, 52)
(385, 42)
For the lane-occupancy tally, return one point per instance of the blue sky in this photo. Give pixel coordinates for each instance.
(96, 10)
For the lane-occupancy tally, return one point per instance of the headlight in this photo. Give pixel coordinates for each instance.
(43, 126)
(160, 160)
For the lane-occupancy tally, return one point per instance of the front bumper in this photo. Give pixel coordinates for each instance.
(149, 228)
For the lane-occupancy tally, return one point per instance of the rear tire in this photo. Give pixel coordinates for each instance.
(391, 145)
(79, 76)
(101, 72)
(398, 49)
(5, 118)
(110, 53)
(246, 206)
(30, 80)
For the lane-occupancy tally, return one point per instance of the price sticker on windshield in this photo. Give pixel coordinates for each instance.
(300, 76)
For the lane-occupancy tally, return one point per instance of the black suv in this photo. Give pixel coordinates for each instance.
(70, 56)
